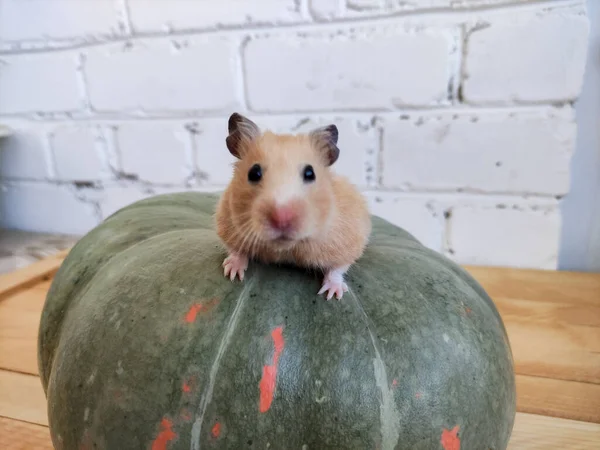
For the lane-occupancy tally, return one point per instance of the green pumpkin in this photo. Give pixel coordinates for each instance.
(144, 344)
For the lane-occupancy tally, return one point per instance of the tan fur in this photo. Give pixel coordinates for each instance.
(334, 217)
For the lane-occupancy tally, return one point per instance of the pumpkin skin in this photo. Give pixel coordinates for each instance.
(144, 344)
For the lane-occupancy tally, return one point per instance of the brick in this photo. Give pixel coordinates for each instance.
(113, 198)
(326, 9)
(23, 155)
(213, 160)
(76, 153)
(163, 76)
(155, 152)
(57, 19)
(385, 6)
(505, 235)
(45, 208)
(319, 72)
(516, 152)
(537, 60)
(39, 83)
(169, 15)
(419, 216)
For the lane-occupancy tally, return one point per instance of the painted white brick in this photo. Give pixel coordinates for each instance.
(392, 5)
(37, 207)
(366, 8)
(57, 19)
(113, 198)
(504, 236)
(22, 154)
(213, 162)
(169, 15)
(39, 83)
(155, 152)
(163, 75)
(326, 9)
(535, 60)
(367, 5)
(417, 215)
(481, 151)
(363, 70)
(76, 153)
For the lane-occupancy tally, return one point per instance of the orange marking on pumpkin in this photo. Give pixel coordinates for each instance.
(165, 435)
(189, 385)
(190, 317)
(216, 430)
(468, 310)
(269, 373)
(450, 439)
(196, 308)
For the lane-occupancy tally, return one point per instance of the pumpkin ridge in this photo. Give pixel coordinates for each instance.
(388, 410)
(80, 292)
(207, 394)
(156, 200)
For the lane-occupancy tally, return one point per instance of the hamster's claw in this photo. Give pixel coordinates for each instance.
(333, 287)
(234, 265)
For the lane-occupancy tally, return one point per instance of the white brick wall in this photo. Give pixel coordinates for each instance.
(360, 69)
(23, 20)
(486, 152)
(505, 234)
(155, 153)
(150, 16)
(162, 75)
(506, 64)
(55, 209)
(39, 83)
(455, 116)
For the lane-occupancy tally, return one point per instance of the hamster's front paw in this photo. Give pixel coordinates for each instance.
(333, 287)
(334, 283)
(235, 264)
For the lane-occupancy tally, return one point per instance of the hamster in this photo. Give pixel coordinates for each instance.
(284, 204)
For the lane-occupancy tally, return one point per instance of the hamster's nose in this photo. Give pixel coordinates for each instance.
(283, 218)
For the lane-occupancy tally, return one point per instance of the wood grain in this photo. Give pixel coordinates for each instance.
(22, 398)
(552, 319)
(17, 435)
(30, 275)
(19, 323)
(552, 339)
(533, 432)
(559, 398)
(539, 285)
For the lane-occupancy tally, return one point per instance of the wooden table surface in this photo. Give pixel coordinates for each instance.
(552, 318)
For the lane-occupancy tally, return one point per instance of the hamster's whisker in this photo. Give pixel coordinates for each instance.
(245, 233)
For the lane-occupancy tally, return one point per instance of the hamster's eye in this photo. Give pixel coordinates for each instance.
(309, 174)
(254, 174)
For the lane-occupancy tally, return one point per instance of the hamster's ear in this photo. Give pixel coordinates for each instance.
(325, 140)
(241, 130)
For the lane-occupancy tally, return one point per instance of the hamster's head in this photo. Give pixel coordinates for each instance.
(282, 190)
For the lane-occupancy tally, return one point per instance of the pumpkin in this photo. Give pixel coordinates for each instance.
(144, 344)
